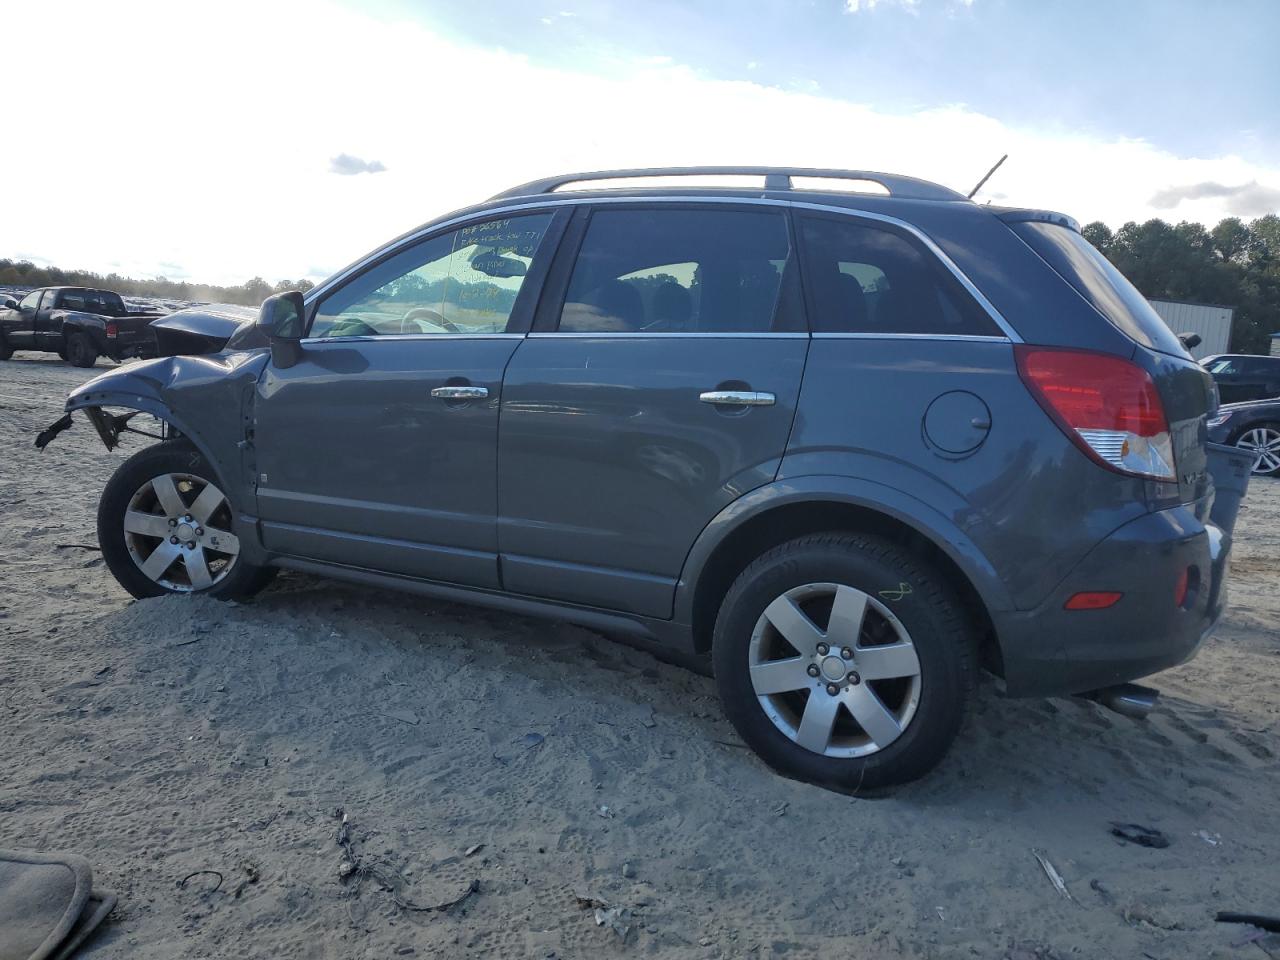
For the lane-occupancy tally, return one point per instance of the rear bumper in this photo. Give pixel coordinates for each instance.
(122, 348)
(1051, 650)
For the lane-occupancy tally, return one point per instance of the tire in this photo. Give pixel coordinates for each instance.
(80, 350)
(902, 606)
(6, 351)
(136, 496)
(1262, 440)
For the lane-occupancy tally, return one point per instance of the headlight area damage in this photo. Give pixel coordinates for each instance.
(190, 396)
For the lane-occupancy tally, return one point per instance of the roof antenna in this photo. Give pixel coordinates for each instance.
(988, 176)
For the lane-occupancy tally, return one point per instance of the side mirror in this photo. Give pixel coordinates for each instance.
(10, 303)
(281, 320)
(1190, 340)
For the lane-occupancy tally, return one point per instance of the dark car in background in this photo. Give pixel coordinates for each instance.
(79, 324)
(1252, 426)
(1244, 376)
(848, 446)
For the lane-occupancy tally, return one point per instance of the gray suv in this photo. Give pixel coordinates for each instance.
(853, 446)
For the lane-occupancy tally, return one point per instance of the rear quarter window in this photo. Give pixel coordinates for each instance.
(1092, 275)
(867, 280)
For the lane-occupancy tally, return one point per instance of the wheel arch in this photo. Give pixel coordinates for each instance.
(795, 507)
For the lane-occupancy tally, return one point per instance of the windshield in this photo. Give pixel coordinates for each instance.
(1095, 279)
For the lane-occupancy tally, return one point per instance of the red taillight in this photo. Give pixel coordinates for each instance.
(1094, 600)
(113, 331)
(1180, 588)
(1108, 406)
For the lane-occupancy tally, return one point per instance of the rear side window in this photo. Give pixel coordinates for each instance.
(864, 279)
(679, 271)
(1079, 263)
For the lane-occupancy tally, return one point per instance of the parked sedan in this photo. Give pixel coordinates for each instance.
(1252, 426)
(1242, 376)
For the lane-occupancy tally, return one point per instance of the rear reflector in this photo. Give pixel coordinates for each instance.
(1109, 407)
(113, 331)
(1097, 600)
(1180, 588)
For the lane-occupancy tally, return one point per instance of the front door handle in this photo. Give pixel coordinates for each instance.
(460, 393)
(738, 398)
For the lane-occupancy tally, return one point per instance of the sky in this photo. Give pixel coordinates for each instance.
(286, 138)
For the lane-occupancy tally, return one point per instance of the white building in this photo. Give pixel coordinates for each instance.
(1211, 320)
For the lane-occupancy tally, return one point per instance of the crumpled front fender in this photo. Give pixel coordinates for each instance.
(208, 400)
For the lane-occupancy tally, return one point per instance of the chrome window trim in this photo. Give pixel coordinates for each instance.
(695, 334)
(539, 203)
(381, 338)
(977, 337)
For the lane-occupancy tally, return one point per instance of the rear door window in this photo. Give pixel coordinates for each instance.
(1092, 275)
(680, 271)
(865, 279)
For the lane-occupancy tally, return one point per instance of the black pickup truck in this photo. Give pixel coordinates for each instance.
(79, 324)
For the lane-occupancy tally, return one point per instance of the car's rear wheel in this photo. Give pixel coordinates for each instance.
(166, 526)
(1263, 441)
(80, 350)
(6, 351)
(844, 660)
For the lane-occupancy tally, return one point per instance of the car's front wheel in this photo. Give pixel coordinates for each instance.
(844, 660)
(1263, 441)
(166, 526)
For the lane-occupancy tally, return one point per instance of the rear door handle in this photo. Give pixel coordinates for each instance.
(738, 398)
(460, 393)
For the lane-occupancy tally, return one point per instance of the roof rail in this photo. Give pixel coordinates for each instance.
(775, 178)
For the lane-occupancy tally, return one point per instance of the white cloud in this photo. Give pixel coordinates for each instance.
(347, 165)
(1246, 200)
(858, 6)
(215, 132)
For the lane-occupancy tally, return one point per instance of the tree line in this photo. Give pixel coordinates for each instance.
(1236, 264)
(251, 293)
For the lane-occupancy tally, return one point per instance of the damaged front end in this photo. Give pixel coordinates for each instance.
(108, 425)
(204, 400)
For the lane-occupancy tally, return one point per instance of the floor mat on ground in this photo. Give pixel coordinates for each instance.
(47, 904)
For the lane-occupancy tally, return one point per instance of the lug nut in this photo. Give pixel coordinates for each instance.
(832, 689)
(813, 669)
(847, 653)
(187, 518)
(199, 531)
(173, 539)
(823, 649)
(854, 678)
(173, 522)
(191, 544)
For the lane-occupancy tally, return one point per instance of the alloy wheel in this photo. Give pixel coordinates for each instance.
(177, 528)
(1264, 444)
(834, 670)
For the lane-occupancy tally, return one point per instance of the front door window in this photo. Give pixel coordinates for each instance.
(465, 281)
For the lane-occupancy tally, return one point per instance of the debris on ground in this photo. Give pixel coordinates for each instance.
(354, 869)
(1212, 839)
(617, 919)
(1137, 833)
(1271, 924)
(473, 849)
(1054, 877)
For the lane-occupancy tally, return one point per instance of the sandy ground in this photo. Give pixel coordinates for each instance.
(171, 736)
